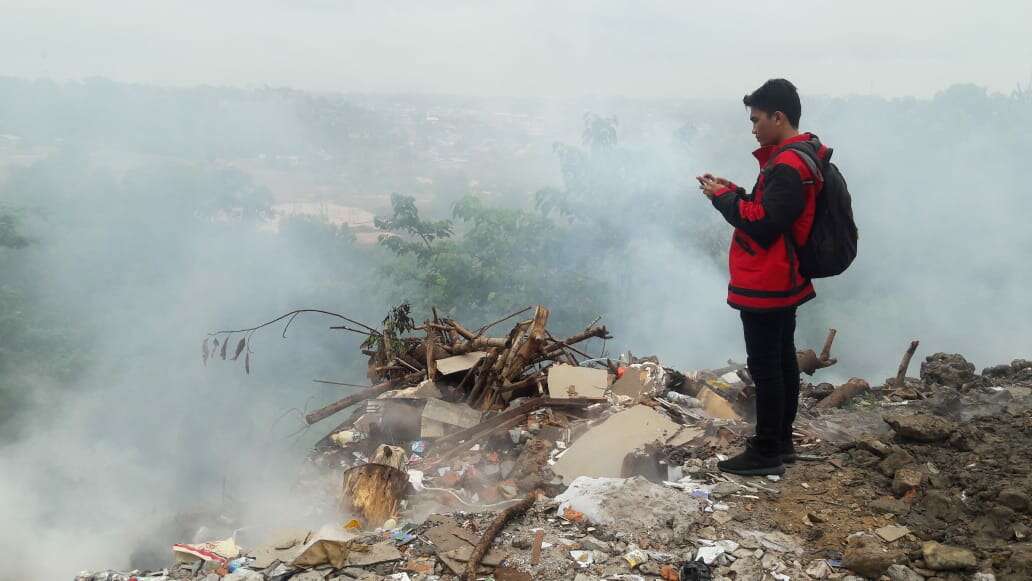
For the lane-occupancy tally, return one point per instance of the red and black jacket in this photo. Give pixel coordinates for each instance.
(770, 223)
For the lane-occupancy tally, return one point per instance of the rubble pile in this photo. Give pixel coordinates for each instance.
(523, 457)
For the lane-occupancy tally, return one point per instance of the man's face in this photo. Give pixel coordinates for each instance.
(764, 126)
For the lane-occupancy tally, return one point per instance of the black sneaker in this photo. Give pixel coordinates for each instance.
(753, 462)
(787, 452)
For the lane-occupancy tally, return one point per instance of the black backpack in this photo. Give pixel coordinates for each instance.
(831, 247)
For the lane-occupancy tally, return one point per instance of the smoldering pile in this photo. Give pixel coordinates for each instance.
(525, 457)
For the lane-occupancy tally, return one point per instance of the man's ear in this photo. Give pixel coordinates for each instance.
(779, 117)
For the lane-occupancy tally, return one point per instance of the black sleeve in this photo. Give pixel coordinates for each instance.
(783, 202)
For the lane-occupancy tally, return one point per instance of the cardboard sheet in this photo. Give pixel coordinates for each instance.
(566, 381)
(600, 451)
(458, 363)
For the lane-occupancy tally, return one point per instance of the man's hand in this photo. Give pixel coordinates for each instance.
(710, 184)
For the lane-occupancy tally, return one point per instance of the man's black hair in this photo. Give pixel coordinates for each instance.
(777, 95)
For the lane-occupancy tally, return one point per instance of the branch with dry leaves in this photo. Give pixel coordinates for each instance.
(216, 343)
(508, 367)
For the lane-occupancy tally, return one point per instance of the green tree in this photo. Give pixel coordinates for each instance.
(10, 236)
(490, 260)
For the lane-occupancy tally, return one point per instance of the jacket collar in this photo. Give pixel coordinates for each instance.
(765, 153)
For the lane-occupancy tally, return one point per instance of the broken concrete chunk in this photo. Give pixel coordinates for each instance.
(940, 557)
(378, 553)
(439, 418)
(906, 479)
(920, 427)
(891, 533)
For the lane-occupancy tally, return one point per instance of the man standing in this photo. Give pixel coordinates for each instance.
(771, 223)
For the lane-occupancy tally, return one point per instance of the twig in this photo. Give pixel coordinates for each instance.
(347, 328)
(406, 364)
(492, 532)
(291, 315)
(481, 330)
(326, 381)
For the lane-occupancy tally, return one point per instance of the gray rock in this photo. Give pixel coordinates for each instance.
(942, 506)
(591, 543)
(906, 479)
(875, 446)
(894, 461)
(902, 573)
(1014, 498)
(649, 568)
(947, 369)
(888, 504)
(920, 427)
(939, 557)
(998, 371)
(722, 489)
(869, 557)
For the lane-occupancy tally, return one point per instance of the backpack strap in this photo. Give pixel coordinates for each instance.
(806, 151)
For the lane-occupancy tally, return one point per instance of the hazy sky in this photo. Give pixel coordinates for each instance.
(526, 47)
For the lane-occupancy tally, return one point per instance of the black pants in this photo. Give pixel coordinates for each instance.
(770, 346)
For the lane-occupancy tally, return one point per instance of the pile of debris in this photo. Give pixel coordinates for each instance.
(524, 457)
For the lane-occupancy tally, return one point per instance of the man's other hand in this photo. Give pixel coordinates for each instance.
(710, 184)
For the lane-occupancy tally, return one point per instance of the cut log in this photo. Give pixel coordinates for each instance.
(462, 331)
(327, 411)
(826, 351)
(601, 332)
(431, 357)
(480, 344)
(483, 374)
(844, 393)
(901, 373)
(809, 361)
(530, 346)
(375, 492)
